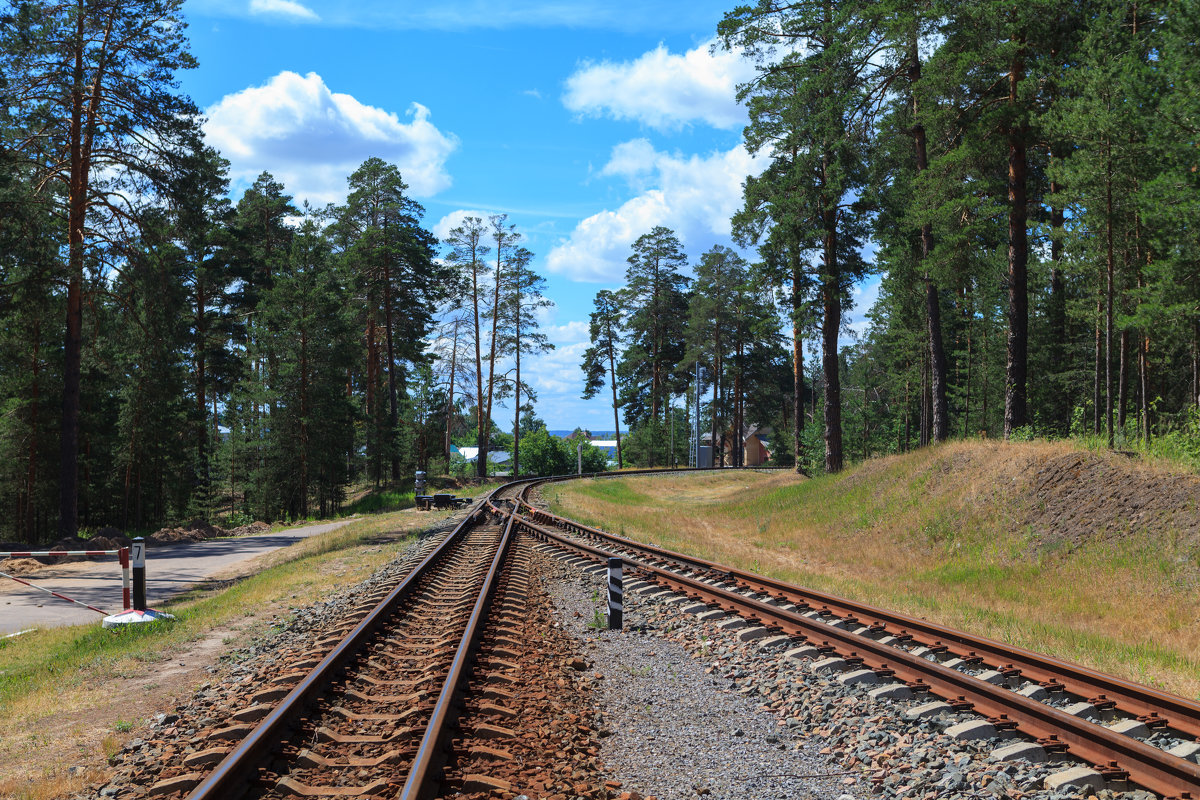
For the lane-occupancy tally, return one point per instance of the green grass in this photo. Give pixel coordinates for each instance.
(380, 500)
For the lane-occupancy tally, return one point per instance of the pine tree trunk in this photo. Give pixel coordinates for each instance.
(797, 370)
(450, 395)
(373, 444)
(1144, 379)
(1056, 312)
(486, 431)
(612, 380)
(517, 428)
(1015, 402)
(830, 326)
(480, 468)
(393, 415)
(1108, 296)
(1196, 362)
(201, 401)
(68, 487)
(967, 386)
(933, 314)
(304, 411)
(715, 405)
(1123, 380)
(30, 532)
(1096, 369)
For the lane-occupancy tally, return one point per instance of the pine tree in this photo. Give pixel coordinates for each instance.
(655, 303)
(92, 88)
(600, 360)
(522, 299)
(468, 250)
(810, 103)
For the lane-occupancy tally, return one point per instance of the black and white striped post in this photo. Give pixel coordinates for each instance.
(137, 552)
(616, 607)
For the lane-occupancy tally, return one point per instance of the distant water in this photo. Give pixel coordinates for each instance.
(595, 434)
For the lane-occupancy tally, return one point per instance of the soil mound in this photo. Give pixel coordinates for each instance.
(1075, 497)
(249, 530)
(19, 566)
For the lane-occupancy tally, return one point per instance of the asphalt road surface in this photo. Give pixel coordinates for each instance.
(170, 570)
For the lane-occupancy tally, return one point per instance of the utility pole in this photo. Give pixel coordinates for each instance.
(696, 423)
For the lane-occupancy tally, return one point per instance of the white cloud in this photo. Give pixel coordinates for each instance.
(284, 8)
(693, 195)
(441, 228)
(312, 138)
(633, 160)
(664, 90)
(556, 375)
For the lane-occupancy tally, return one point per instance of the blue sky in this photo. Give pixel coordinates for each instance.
(588, 123)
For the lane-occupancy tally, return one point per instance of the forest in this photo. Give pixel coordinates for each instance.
(1021, 181)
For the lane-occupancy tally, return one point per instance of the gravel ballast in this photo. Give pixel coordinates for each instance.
(675, 731)
(678, 687)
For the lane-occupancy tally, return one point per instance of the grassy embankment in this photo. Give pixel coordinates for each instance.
(60, 682)
(942, 533)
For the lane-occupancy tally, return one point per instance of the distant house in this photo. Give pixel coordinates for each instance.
(755, 440)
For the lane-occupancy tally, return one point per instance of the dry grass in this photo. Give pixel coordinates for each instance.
(937, 534)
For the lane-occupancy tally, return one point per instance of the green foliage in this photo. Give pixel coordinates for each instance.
(544, 454)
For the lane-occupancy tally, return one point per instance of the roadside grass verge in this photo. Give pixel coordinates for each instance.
(63, 670)
(939, 534)
(380, 500)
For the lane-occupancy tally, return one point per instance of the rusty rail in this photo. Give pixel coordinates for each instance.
(1117, 755)
(233, 776)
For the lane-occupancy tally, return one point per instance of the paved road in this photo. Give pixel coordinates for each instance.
(169, 571)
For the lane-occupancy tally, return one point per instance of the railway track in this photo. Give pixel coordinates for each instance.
(427, 688)
(1008, 686)
(374, 716)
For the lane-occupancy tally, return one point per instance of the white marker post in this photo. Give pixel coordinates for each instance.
(137, 553)
(139, 613)
(616, 591)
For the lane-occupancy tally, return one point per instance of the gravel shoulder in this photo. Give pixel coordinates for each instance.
(675, 728)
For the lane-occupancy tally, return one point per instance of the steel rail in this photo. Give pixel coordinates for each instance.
(1144, 764)
(431, 752)
(1150, 705)
(232, 776)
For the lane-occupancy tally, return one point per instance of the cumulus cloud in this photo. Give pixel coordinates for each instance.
(694, 195)
(441, 228)
(556, 375)
(312, 138)
(664, 90)
(283, 8)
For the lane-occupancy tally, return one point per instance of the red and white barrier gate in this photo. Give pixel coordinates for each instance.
(133, 575)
